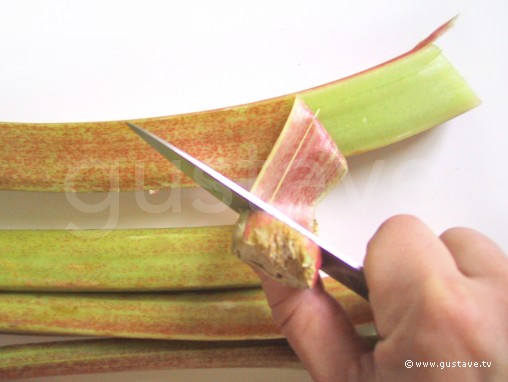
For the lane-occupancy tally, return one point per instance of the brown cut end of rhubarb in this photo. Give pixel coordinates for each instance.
(303, 165)
(278, 250)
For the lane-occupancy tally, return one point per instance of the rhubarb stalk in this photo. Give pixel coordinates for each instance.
(213, 315)
(112, 355)
(400, 98)
(122, 260)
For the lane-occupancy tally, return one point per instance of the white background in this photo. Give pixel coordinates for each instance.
(107, 60)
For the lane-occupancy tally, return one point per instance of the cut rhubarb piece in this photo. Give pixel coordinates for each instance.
(303, 165)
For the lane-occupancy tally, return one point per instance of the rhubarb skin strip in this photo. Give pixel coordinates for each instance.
(114, 355)
(121, 260)
(215, 315)
(303, 165)
(400, 98)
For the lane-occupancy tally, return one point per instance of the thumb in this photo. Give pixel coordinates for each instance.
(318, 330)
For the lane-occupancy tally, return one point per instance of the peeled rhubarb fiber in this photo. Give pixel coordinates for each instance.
(277, 250)
(400, 98)
(113, 355)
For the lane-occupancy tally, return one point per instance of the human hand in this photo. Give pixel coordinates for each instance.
(435, 299)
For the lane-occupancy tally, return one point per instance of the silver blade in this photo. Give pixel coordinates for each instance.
(339, 266)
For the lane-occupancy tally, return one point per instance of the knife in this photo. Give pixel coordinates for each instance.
(341, 267)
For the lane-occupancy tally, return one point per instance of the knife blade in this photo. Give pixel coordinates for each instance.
(341, 267)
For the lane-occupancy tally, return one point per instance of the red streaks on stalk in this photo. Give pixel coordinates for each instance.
(107, 156)
(304, 164)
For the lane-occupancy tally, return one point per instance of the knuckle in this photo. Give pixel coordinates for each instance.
(387, 232)
(450, 315)
(392, 227)
(455, 233)
(448, 305)
(401, 220)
